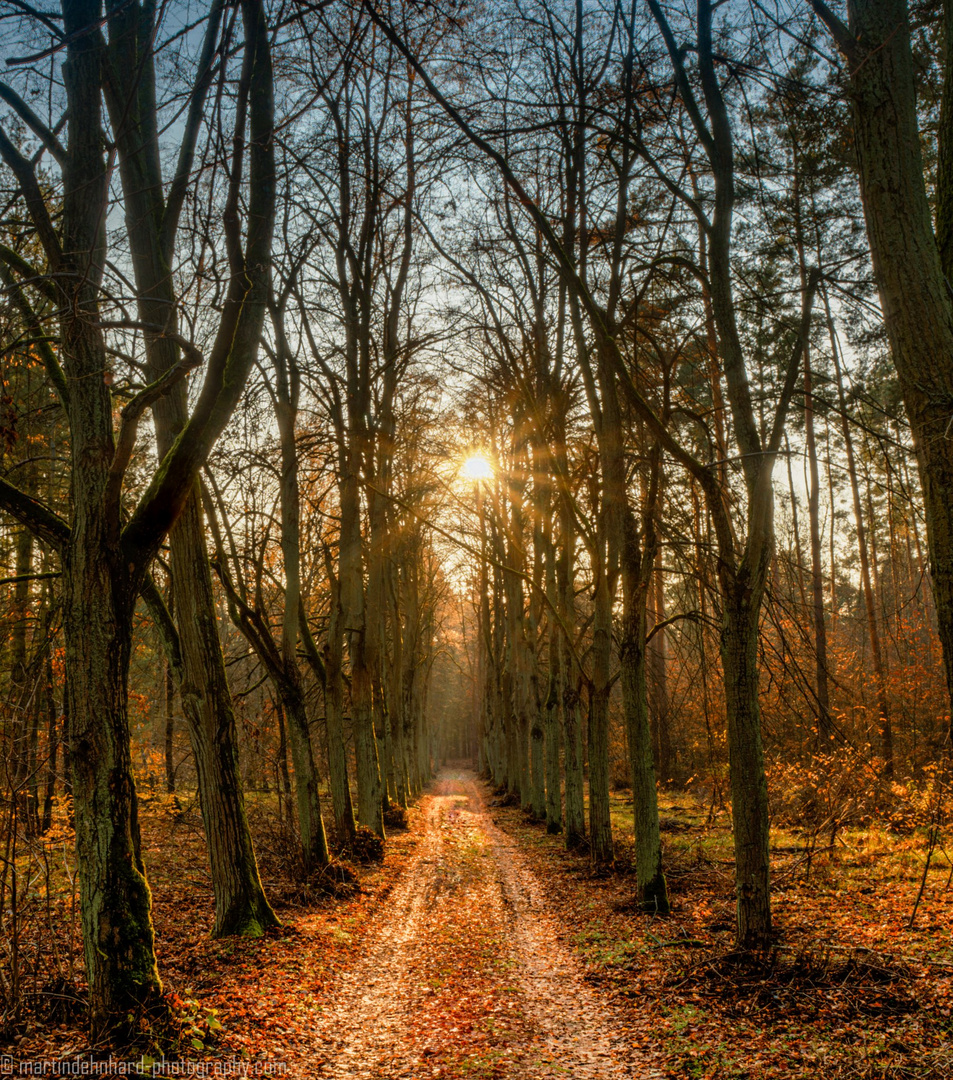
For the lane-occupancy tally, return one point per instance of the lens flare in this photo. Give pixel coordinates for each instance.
(476, 468)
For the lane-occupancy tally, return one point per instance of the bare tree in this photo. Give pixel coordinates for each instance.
(105, 549)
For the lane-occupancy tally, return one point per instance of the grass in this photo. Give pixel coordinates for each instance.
(850, 992)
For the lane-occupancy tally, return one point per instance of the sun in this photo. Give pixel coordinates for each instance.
(477, 467)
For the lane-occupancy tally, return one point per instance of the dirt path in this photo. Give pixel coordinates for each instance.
(466, 976)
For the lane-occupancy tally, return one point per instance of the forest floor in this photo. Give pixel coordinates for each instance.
(468, 975)
(481, 949)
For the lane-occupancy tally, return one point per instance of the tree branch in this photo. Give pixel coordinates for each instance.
(183, 170)
(567, 271)
(839, 31)
(35, 515)
(29, 272)
(162, 617)
(790, 379)
(47, 575)
(33, 122)
(50, 361)
(132, 413)
(239, 334)
(311, 648)
(36, 204)
(47, 18)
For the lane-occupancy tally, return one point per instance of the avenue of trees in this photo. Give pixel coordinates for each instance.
(560, 385)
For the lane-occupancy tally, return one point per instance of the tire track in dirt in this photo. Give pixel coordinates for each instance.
(465, 975)
(581, 1034)
(366, 1014)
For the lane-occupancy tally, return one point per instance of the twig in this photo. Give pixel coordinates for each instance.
(29, 577)
(931, 847)
(674, 944)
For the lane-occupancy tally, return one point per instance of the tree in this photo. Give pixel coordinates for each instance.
(355, 305)
(153, 215)
(912, 257)
(105, 549)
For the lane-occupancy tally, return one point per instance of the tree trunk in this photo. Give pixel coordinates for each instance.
(539, 719)
(575, 830)
(115, 901)
(241, 906)
(20, 680)
(600, 825)
(314, 844)
(537, 762)
(52, 743)
(554, 814)
(636, 577)
(911, 273)
(824, 726)
(749, 789)
(396, 674)
(658, 692)
(374, 555)
(886, 718)
(410, 673)
(334, 718)
(282, 772)
(105, 558)
(169, 727)
(369, 794)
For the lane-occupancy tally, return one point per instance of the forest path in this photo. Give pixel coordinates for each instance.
(466, 975)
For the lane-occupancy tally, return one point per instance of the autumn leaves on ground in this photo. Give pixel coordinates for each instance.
(480, 948)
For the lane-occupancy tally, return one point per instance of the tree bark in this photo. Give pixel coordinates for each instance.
(575, 828)
(52, 743)
(241, 907)
(749, 789)
(20, 680)
(314, 844)
(824, 725)
(658, 690)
